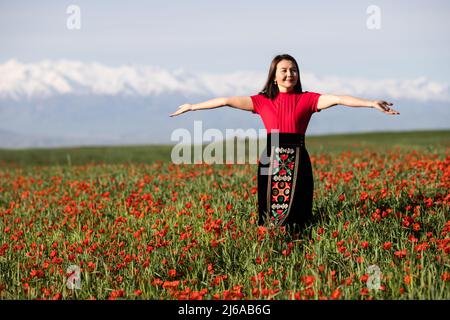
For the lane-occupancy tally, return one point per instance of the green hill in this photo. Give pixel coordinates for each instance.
(422, 140)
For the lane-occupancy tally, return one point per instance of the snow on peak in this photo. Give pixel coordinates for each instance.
(48, 78)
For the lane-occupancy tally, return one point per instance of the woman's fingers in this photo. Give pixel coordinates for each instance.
(181, 109)
(390, 110)
(176, 113)
(394, 111)
(383, 106)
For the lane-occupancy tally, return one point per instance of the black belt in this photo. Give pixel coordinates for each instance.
(291, 139)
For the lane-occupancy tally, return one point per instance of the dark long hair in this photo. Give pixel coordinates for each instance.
(270, 89)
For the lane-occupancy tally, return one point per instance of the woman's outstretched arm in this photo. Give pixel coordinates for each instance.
(328, 100)
(242, 103)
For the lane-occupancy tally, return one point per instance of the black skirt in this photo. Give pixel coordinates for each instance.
(285, 182)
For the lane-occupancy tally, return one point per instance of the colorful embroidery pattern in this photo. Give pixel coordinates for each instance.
(283, 166)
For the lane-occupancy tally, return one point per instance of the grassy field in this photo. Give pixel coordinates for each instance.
(126, 223)
(419, 140)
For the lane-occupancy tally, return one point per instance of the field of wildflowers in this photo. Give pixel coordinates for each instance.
(163, 231)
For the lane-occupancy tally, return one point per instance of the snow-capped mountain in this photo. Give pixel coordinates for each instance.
(64, 102)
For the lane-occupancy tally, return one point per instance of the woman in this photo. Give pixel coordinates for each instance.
(285, 178)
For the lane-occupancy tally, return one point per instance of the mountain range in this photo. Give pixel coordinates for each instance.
(70, 103)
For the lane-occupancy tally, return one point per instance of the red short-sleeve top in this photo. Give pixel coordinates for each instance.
(288, 112)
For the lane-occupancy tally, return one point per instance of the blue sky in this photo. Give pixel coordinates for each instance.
(132, 63)
(327, 37)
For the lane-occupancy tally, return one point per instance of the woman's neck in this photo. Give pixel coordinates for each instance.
(285, 90)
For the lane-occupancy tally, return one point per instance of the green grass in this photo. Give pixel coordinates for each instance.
(405, 140)
(426, 140)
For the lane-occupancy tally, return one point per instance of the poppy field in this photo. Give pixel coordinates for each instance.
(156, 230)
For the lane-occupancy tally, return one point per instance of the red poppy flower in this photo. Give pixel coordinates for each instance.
(400, 254)
(172, 273)
(336, 294)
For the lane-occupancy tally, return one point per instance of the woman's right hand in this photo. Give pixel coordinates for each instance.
(384, 106)
(182, 109)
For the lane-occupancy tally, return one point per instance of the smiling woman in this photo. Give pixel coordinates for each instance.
(285, 176)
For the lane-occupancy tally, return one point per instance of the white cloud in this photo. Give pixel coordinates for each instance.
(48, 78)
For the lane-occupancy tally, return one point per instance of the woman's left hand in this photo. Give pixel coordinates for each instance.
(383, 106)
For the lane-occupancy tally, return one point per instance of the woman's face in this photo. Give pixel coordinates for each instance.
(286, 75)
